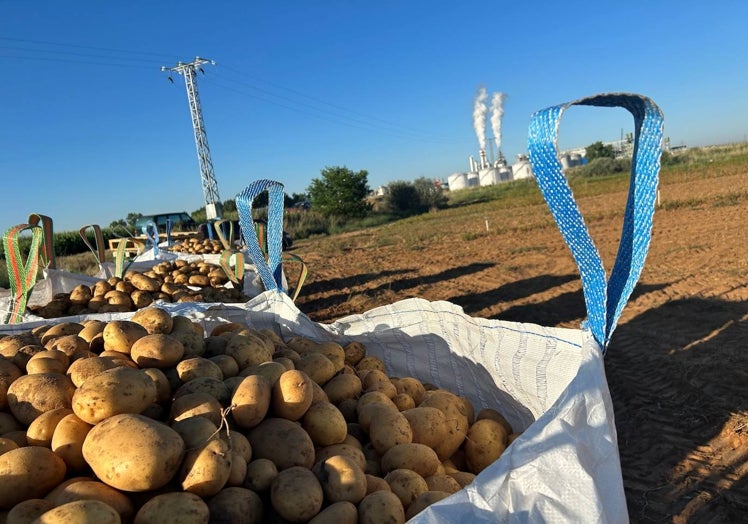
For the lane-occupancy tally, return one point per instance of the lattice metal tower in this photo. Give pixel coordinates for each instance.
(213, 207)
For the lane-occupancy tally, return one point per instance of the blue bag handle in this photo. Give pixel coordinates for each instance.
(270, 271)
(150, 231)
(605, 299)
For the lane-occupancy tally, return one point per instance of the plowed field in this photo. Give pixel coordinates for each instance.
(677, 366)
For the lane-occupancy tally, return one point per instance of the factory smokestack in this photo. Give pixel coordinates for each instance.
(480, 109)
(497, 112)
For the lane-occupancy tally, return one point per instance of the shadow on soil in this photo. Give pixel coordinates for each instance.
(359, 281)
(677, 374)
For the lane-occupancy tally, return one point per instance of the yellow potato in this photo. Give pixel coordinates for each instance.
(341, 479)
(157, 351)
(40, 431)
(80, 511)
(206, 470)
(67, 441)
(113, 392)
(486, 441)
(154, 320)
(381, 506)
(417, 457)
(423, 501)
(406, 484)
(179, 507)
(325, 424)
(88, 489)
(292, 394)
(133, 453)
(251, 400)
(120, 335)
(34, 471)
(31, 395)
(296, 494)
(282, 441)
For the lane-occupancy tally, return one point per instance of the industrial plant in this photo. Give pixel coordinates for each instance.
(486, 171)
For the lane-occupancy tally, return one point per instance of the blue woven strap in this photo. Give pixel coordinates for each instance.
(150, 231)
(270, 271)
(604, 298)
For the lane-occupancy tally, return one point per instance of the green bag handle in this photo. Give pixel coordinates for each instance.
(119, 256)
(235, 273)
(22, 275)
(226, 242)
(303, 272)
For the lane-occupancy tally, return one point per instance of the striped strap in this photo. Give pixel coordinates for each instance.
(22, 275)
(234, 271)
(48, 251)
(604, 298)
(169, 225)
(99, 252)
(270, 271)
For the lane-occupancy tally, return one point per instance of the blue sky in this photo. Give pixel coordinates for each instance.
(92, 129)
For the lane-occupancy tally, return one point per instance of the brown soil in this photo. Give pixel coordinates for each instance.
(677, 366)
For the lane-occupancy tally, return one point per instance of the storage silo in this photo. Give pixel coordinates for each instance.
(457, 181)
(473, 180)
(488, 177)
(505, 174)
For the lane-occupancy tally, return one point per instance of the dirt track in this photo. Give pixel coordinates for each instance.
(677, 366)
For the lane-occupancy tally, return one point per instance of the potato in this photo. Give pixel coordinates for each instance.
(212, 386)
(120, 335)
(443, 482)
(341, 479)
(40, 431)
(227, 365)
(88, 489)
(486, 441)
(319, 368)
(381, 506)
(194, 367)
(296, 494)
(205, 470)
(61, 329)
(9, 372)
(325, 424)
(374, 483)
(67, 441)
(341, 387)
(411, 386)
(84, 368)
(68, 344)
(337, 513)
(354, 352)
(365, 410)
(236, 504)
(429, 425)
(495, 415)
(154, 320)
(417, 457)
(163, 388)
(406, 484)
(141, 299)
(456, 416)
(7, 444)
(283, 442)
(292, 394)
(31, 395)
(48, 361)
(423, 501)
(83, 511)
(34, 471)
(463, 477)
(260, 474)
(370, 362)
(195, 431)
(403, 401)
(389, 428)
(91, 330)
(133, 453)
(271, 370)
(144, 283)
(28, 510)
(113, 392)
(352, 452)
(157, 351)
(250, 401)
(248, 350)
(197, 405)
(238, 469)
(180, 507)
(21, 357)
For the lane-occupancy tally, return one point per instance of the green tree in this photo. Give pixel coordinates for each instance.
(402, 198)
(599, 150)
(430, 195)
(340, 192)
(229, 205)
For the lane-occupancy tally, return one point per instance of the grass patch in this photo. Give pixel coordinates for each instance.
(688, 203)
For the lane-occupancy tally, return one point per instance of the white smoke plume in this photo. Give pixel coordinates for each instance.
(480, 109)
(497, 112)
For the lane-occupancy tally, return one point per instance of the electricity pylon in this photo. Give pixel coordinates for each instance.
(213, 207)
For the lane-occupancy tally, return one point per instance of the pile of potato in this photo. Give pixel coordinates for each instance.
(149, 420)
(198, 247)
(177, 281)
